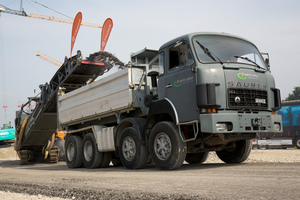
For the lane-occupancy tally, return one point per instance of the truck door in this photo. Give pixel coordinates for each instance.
(178, 83)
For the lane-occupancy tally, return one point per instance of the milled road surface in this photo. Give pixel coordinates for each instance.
(267, 174)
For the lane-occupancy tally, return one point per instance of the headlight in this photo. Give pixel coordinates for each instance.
(221, 127)
(224, 126)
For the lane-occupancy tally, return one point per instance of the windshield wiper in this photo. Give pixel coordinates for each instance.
(249, 60)
(209, 53)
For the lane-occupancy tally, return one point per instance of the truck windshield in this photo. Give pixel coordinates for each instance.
(228, 49)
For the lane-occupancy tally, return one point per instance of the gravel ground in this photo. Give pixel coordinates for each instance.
(18, 196)
(8, 154)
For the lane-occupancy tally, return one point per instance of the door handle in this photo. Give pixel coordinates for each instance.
(169, 85)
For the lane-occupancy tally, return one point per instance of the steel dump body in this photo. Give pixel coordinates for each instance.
(103, 97)
(111, 95)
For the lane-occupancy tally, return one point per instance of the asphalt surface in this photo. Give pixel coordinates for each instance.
(258, 178)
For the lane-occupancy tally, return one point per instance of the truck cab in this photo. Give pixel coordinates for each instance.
(205, 75)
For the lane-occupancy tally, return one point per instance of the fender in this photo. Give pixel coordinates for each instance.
(163, 106)
(140, 125)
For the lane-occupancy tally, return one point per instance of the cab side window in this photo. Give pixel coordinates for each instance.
(180, 55)
(173, 57)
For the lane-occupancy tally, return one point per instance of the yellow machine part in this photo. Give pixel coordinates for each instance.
(58, 134)
(18, 143)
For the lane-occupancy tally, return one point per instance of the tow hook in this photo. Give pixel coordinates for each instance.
(256, 121)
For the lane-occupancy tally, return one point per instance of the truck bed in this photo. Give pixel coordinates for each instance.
(103, 97)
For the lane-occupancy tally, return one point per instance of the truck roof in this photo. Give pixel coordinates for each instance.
(189, 36)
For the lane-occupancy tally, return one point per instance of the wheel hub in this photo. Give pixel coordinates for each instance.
(70, 152)
(88, 151)
(162, 146)
(129, 148)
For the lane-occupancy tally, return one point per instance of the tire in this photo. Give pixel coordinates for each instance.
(74, 151)
(167, 150)
(133, 153)
(196, 158)
(236, 154)
(107, 157)
(92, 158)
(296, 142)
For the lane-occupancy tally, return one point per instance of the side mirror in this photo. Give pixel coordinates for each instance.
(153, 76)
(266, 59)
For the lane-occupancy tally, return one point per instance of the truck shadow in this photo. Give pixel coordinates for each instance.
(61, 166)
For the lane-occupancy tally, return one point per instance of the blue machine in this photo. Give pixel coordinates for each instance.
(7, 133)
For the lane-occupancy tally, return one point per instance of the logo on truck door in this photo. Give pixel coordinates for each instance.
(183, 81)
(241, 76)
(177, 84)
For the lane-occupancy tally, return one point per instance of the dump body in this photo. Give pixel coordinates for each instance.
(102, 98)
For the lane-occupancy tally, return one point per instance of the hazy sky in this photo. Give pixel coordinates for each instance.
(274, 26)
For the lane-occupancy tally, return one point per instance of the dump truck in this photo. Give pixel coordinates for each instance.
(198, 93)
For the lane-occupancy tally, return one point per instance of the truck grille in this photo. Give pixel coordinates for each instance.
(248, 98)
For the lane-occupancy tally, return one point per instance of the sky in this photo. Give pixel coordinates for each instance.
(273, 26)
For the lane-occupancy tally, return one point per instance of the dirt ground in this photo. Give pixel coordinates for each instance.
(267, 174)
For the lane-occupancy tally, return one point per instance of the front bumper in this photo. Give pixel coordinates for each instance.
(261, 122)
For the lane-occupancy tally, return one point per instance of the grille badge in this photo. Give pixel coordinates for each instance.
(237, 99)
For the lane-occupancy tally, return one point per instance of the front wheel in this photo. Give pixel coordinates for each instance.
(166, 148)
(239, 152)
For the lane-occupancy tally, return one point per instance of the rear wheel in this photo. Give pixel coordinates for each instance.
(196, 158)
(238, 153)
(92, 158)
(74, 151)
(166, 148)
(133, 153)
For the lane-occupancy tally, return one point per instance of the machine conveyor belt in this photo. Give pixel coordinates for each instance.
(42, 122)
